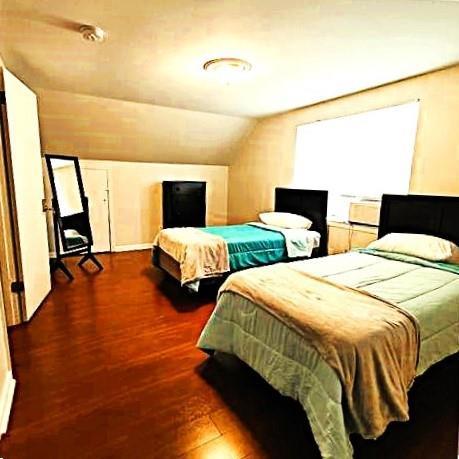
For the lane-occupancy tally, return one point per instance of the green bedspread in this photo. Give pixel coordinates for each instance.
(237, 326)
(250, 246)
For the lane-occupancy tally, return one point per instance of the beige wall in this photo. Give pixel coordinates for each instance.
(141, 145)
(109, 129)
(135, 196)
(266, 159)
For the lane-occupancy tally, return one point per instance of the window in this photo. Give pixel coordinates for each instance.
(363, 155)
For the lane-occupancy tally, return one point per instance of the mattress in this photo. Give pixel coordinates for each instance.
(250, 246)
(427, 290)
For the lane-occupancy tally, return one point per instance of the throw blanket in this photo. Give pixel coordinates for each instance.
(372, 344)
(299, 242)
(200, 254)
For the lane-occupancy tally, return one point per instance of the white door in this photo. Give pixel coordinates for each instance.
(95, 183)
(28, 191)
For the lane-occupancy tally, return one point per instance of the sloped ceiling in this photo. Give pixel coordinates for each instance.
(302, 51)
(101, 128)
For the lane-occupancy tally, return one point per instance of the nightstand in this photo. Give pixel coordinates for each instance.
(343, 236)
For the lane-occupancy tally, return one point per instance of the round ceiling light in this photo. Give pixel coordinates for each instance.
(227, 68)
(93, 33)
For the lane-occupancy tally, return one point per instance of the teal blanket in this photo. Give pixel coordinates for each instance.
(250, 246)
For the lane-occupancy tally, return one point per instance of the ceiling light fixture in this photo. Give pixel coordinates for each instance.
(93, 33)
(227, 68)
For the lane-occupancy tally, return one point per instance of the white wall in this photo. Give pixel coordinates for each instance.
(136, 199)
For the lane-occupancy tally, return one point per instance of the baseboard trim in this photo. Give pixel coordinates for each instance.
(6, 401)
(130, 247)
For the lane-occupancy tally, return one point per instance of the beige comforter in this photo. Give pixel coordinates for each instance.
(199, 254)
(372, 344)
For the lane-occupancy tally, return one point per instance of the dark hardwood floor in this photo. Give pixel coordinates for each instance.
(108, 368)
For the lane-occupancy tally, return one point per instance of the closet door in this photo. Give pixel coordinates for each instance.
(27, 192)
(95, 182)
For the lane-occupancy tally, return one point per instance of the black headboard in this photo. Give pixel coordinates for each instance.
(311, 204)
(433, 215)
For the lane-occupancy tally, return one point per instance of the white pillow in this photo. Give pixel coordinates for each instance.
(418, 245)
(285, 220)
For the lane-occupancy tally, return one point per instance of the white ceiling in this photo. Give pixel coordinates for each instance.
(302, 51)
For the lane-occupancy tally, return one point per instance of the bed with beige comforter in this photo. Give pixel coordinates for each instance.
(345, 335)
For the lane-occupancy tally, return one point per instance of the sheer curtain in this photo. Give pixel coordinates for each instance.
(363, 155)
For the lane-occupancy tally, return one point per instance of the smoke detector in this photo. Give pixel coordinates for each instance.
(93, 33)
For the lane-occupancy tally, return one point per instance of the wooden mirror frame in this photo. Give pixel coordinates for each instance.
(82, 216)
(80, 221)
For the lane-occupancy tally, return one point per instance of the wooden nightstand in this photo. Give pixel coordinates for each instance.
(343, 237)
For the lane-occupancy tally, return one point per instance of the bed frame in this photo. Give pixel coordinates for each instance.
(432, 215)
(311, 204)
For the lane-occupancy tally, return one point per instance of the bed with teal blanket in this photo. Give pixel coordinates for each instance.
(194, 254)
(429, 291)
(245, 245)
(250, 246)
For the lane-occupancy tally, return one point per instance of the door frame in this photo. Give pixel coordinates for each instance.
(10, 261)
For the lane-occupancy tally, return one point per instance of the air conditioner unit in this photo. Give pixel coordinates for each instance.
(364, 212)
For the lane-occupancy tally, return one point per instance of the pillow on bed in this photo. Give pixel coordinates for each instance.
(418, 245)
(285, 220)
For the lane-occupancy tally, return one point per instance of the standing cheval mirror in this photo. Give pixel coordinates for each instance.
(72, 228)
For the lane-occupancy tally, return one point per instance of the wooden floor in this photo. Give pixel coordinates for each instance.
(108, 369)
